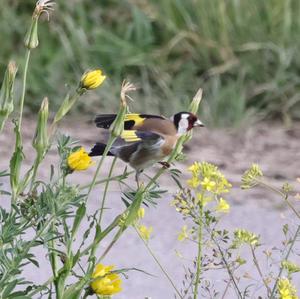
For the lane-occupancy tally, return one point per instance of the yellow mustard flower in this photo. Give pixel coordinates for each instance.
(194, 182)
(145, 231)
(286, 290)
(184, 234)
(242, 236)
(79, 160)
(223, 206)
(141, 213)
(195, 168)
(105, 282)
(92, 79)
(203, 199)
(290, 266)
(207, 184)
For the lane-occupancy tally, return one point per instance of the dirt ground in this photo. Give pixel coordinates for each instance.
(274, 148)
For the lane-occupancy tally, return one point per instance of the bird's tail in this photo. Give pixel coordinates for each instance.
(98, 150)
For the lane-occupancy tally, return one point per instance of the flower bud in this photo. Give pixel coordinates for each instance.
(79, 160)
(92, 79)
(31, 40)
(196, 101)
(118, 125)
(40, 141)
(6, 93)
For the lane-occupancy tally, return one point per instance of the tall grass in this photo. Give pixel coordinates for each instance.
(244, 54)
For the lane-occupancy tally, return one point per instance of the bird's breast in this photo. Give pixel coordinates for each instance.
(169, 144)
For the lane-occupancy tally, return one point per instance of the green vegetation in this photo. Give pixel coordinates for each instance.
(244, 54)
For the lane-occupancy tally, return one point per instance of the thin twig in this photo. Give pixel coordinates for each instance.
(158, 262)
(286, 257)
(255, 261)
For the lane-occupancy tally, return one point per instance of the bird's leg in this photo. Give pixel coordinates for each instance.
(137, 176)
(164, 164)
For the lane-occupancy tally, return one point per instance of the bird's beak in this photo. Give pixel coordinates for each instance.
(198, 123)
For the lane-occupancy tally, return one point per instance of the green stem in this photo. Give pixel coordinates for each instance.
(230, 273)
(111, 244)
(113, 178)
(36, 164)
(199, 255)
(283, 195)
(286, 257)
(53, 261)
(158, 262)
(24, 88)
(106, 188)
(104, 233)
(107, 148)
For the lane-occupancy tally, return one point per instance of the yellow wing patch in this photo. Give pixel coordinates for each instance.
(130, 136)
(135, 117)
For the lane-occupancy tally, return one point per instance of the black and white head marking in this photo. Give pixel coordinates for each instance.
(185, 121)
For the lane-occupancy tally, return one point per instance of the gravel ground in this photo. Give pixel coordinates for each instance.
(275, 149)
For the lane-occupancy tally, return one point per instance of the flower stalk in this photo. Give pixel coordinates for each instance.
(6, 93)
(199, 253)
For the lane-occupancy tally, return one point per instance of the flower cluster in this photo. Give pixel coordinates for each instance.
(249, 178)
(144, 231)
(290, 267)
(242, 236)
(286, 289)
(207, 183)
(209, 178)
(105, 282)
(185, 203)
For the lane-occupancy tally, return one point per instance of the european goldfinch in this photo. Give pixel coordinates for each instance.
(146, 139)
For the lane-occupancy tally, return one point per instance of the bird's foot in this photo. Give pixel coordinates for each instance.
(164, 164)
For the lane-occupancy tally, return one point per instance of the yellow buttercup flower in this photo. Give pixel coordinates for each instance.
(105, 282)
(79, 160)
(286, 290)
(92, 79)
(223, 206)
(145, 231)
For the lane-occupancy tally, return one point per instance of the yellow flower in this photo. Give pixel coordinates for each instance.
(92, 79)
(105, 282)
(203, 199)
(184, 234)
(141, 213)
(194, 182)
(242, 236)
(207, 184)
(195, 168)
(223, 206)
(286, 290)
(79, 160)
(145, 231)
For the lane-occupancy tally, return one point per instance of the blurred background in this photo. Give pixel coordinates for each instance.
(244, 54)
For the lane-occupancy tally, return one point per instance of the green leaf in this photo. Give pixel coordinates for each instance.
(80, 213)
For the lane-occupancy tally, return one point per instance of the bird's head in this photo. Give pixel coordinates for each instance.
(185, 121)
